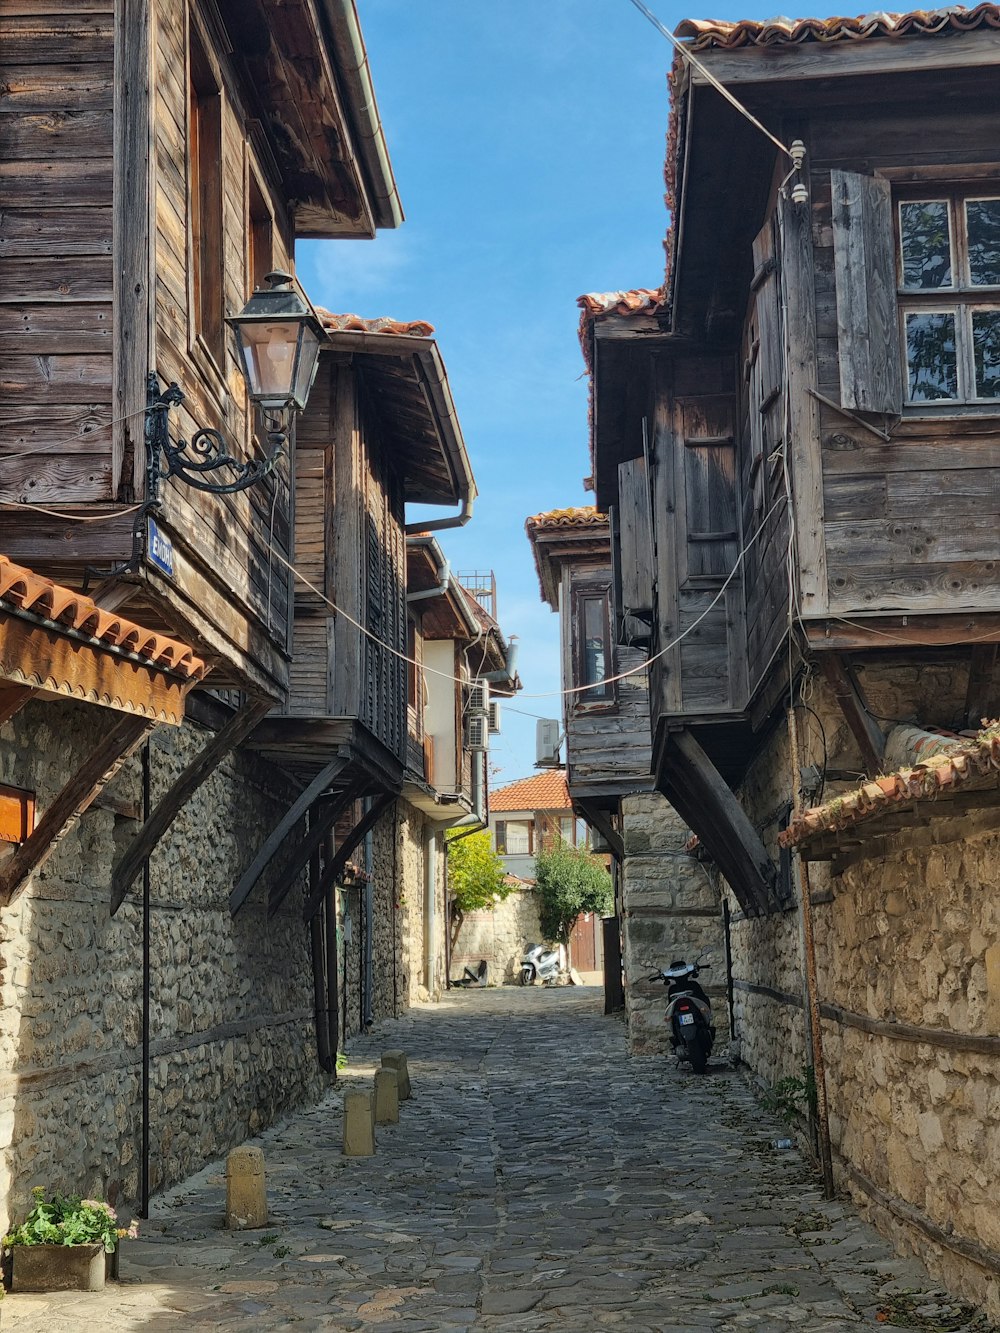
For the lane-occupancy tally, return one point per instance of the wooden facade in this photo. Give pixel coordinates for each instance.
(157, 159)
(607, 727)
(815, 393)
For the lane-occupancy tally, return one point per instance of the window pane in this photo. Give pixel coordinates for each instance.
(594, 647)
(983, 221)
(566, 829)
(931, 363)
(518, 839)
(986, 344)
(926, 243)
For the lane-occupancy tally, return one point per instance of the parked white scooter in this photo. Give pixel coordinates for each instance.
(539, 963)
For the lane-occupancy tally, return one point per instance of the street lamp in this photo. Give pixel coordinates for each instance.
(279, 339)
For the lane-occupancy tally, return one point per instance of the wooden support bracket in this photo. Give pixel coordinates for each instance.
(68, 805)
(980, 696)
(846, 690)
(12, 700)
(169, 806)
(329, 876)
(321, 821)
(601, 820)
(291, 817)
(696, 789)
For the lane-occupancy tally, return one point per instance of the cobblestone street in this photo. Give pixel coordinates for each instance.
(538, 1179)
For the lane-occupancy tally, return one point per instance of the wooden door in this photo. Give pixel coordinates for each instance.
(582, 943)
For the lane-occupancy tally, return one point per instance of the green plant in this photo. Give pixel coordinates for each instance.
(66, 1219)
(569, 882)
(475, 874)
(341, 1060)
(792, 1094)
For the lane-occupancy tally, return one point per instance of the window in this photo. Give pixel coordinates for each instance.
(260, 238)
(515, 837)
(205, 153)
(949, 297)
(592, 626)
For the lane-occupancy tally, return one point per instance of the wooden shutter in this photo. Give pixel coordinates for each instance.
(635, 539)
(769, 359)
(709, 487)
(871, 378)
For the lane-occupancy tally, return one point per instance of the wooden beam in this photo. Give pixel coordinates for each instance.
(291, 817)
(329, 876)
(187, 783)
(601, 820)
(696, 789)
(888, 632)
(12, 700)
(980, 696)
(847, 692)
(321, 821)
(72, 800)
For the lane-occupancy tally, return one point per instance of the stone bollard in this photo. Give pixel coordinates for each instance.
(386, 1096)
(359, 1124)
(246, 1196)
(397, 1060)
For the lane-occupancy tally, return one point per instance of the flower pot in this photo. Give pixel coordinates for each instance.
(58, 1267)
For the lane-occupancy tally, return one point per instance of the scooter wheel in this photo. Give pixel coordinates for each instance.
(527, 976)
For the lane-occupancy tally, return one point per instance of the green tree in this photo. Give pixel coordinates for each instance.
(569, 882)
(475, 875)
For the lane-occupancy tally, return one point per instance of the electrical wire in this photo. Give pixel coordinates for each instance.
(70, 518)
(74, 439)
(695, 63)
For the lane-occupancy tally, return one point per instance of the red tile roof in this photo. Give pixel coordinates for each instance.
(414, 328)
(935, 776)
(784, 32)
(584, 517)
(548, 790)
(27, 591)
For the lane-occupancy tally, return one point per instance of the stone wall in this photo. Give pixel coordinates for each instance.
(500, 936)
(232, 1018)
(670, 909)
(908, 935)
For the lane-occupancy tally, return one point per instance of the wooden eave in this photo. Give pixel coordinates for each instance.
(556, 547)
(626, 350)
(58, 661)
(407, 387)
(287, 63)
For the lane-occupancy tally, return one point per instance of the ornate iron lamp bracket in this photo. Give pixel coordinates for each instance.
(204, 461)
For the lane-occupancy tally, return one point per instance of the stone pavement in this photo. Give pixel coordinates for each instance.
(539, 1179)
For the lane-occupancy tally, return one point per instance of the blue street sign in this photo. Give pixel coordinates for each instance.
(160, 549)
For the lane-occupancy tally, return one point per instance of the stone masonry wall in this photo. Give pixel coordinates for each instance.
(232, 1023)
(670, 910)
(499, 936)
(912, 935)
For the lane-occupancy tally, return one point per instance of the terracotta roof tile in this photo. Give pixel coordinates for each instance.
(548, 790)
(27, 591)
(937, 774)
(584, 517)
(708, 33)
(414, 328)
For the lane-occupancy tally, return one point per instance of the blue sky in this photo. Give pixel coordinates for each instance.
(528, 144)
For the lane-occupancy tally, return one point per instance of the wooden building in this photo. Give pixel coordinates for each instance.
(804, 420)
(158, 160)
(814, 392)
(664, 906)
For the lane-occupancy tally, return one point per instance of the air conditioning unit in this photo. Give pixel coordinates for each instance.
(477, 731)
(494, 717)
(548, 738)
(479, 697)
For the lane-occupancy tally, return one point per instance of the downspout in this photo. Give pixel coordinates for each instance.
(146, 995)
(459, 520)
(430, 914)
(438, 591)
(367, 962)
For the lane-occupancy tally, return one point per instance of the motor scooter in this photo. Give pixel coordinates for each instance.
(689, 1013)
(539, 962)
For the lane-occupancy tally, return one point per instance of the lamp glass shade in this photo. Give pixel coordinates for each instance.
(279, 361)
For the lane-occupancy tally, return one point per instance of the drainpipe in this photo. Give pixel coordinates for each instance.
(430, 906)
(367, 962)
(146, 994)
(437, 591)
(459, 520)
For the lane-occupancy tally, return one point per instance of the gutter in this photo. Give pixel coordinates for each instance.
(439, 391)
(352, 65)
